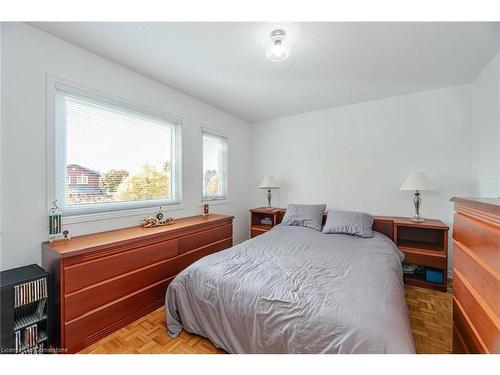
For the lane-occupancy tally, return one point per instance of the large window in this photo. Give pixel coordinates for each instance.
(214, 166)
(111, 155)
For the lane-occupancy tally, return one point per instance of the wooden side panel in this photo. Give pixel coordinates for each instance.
(93, 271)
(188, 258)
(385, 226)
(99, 319)
(94, 296)
(204, 238)
(482, 318)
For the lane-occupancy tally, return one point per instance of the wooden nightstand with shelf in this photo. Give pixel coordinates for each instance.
(424, 244)
(263, 219)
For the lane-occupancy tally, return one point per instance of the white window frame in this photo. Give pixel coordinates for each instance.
(215, 199)
(56, 151)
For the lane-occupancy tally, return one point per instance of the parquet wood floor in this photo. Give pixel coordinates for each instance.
(430, 316)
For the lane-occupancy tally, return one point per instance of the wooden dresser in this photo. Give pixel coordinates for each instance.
(102, 282)
(476, 276)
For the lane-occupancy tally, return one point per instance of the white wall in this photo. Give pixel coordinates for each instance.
(28, 55)
(356, 157)
(486, 122)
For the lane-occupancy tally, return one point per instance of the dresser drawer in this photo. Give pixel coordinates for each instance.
(96, 295)
(464, 337)
(81, 275)
(480, 275)
(256, 232)
(198, 240)
(192, 256)
(480, 237)
(78, 330)
(482, 318)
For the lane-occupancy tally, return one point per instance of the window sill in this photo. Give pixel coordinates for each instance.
(214, 202)
(82, 218)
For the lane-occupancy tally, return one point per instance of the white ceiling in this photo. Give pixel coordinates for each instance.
(331, 64)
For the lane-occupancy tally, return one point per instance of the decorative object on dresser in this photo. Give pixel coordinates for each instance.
(157, 221)
(104, 281)
(55, 224)
(425, 246)
(24, 317)
(417, 181)
(269, 183)
(263, 219)
(476, 275)
(152, 222)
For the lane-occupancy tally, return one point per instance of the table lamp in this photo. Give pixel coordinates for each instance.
(417, 181)
(269, 183)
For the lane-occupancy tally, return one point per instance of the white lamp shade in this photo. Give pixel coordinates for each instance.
(417, 181)
(269, 183)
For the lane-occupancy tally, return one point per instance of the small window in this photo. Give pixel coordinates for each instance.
(215, 158)
(82, 180)
(112, 155)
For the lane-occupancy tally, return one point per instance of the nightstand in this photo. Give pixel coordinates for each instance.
(424, 244)
(263, 219)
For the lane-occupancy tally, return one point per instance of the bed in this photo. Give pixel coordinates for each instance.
(296, 290)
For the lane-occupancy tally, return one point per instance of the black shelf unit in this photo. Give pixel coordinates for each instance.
(24, 318)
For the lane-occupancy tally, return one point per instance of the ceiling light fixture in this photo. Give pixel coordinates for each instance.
(278, 51)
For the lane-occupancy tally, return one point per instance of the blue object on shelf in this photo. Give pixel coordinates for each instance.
(434, 275)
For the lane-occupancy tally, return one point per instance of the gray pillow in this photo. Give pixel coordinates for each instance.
(304, 215)
(349, 222)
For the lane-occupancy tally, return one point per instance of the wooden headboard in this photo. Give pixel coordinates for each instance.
(384, 225)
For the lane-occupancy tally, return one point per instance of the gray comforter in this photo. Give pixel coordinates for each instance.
(296, 290)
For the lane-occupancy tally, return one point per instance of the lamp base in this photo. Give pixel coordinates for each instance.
(417, 219)
(269, 207)
(416, 201)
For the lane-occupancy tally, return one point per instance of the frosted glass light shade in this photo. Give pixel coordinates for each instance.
(417, 181)
(269, 182)
(278, 52)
